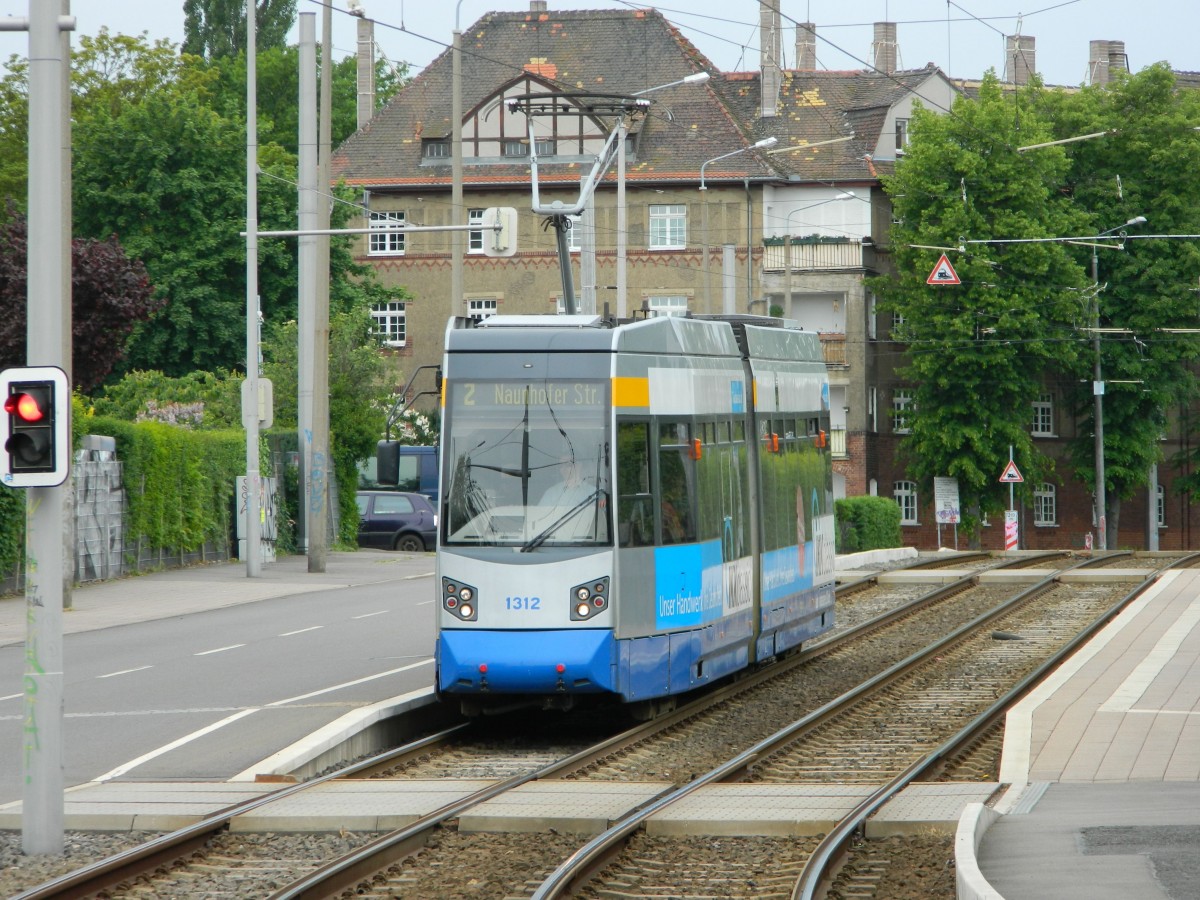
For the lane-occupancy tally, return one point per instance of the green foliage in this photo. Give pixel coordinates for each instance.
(179, 483)
(12, 529)
(131, 398)
(1148, 164)
(217, 28)
(978, 351)
(867, 523)
(358, 398)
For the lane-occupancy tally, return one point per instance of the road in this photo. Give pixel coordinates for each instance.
(205, 694)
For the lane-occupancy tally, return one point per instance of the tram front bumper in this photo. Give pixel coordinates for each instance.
(579, 661)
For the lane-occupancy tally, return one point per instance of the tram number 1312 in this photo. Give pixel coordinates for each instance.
(522, 602)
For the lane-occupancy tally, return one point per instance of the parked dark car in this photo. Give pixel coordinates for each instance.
(395, 520)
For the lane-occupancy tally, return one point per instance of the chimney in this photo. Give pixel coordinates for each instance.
(1019, 58)
(537, 5)
(806, 46)
(771, 44)
(884, 51)
(1102, 55)
(1118, 61)
(366, 70)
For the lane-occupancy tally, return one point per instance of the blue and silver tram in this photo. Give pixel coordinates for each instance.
(628, 510)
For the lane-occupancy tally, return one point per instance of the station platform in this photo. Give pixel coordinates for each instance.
(1102, 767)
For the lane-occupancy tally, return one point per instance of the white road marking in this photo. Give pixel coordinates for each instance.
(125, 672)
(218, 650)
(368, 615)
(167, 748)
(241, 714)
(12, 697)
(414, 577)
(1143, 675)
(302, 630)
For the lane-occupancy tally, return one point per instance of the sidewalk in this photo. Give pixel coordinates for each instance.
(175, 592)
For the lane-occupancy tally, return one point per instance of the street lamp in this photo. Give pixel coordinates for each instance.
(760, 145)
(1098, 388)
(787, 244)
(622, 286)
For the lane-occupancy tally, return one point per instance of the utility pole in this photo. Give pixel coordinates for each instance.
(48, 343)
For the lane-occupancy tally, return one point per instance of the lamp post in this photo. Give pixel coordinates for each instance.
(760, 145)
(622, 225)
(1098, 391)
(787, 244)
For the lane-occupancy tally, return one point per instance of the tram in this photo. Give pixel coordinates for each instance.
(629, 510)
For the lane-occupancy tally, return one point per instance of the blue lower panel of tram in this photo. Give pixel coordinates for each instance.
(526, 662)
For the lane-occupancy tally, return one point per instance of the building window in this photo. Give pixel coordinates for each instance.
(546, 147)
(475, 237)
(872, 314)
(1160, 506)
(481, 309)
(1043, 415)
(897, 323)
(438, 148)
(902, 404)
(668, 226)
(514, 148)
(381, 242)
(574, 234)
(1045, 511)
(391, 325)
(905, 493)
(667, 305)
(901, 133)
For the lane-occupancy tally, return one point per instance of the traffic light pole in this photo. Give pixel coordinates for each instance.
(48, 344)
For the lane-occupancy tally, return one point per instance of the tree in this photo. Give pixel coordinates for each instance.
(358, 397)
(166, 174)
(215, 28)
(1148, 164)
(978, 351)
(110, 294)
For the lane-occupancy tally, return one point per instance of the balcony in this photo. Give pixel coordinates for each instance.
(833, 348)
(837, 443)
(816, 254)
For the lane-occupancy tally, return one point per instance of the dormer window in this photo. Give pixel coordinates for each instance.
(547, 148)
(515, 148)
(438, 148)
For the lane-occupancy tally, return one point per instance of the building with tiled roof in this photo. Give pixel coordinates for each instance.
(753, 191)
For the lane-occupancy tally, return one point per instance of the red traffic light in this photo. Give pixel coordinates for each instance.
(25, 407)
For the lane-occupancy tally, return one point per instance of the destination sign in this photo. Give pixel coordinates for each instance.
(544, 393)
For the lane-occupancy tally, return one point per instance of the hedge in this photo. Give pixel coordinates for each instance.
(867, 523)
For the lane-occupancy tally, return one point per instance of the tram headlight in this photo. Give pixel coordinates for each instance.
(589, 599)
(458, 599)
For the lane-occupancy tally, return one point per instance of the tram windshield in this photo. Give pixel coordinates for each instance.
(527, 463)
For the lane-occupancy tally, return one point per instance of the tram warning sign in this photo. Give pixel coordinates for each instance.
(943, 273)
(1011, 474)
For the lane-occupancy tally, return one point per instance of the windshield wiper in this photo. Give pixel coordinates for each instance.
(544, 535)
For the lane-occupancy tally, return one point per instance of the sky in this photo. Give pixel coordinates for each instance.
(964, 39)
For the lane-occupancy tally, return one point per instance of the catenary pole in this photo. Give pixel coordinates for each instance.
(250, 395)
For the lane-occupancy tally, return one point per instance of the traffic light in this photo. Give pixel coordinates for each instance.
(35, 422)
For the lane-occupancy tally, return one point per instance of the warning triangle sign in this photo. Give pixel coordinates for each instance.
(1011, 474)
(943, 273)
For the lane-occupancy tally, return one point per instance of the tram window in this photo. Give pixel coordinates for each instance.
(722, 432)
(636, 503)
(676, 475)
(672, 434)
(739, 431)
(709, 433)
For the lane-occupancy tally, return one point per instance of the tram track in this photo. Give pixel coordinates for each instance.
(448, 848)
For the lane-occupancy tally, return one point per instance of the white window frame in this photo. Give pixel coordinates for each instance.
(481, 308)
(901, 133)
(391, 322)
(905, 494)
(1045, 505)
(667, 304)
(902, 405)
(1043, 415)
(436, 149)
(475, 237)
(1160, 506)
(381, 242)
(511, 148)
(667, 226)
